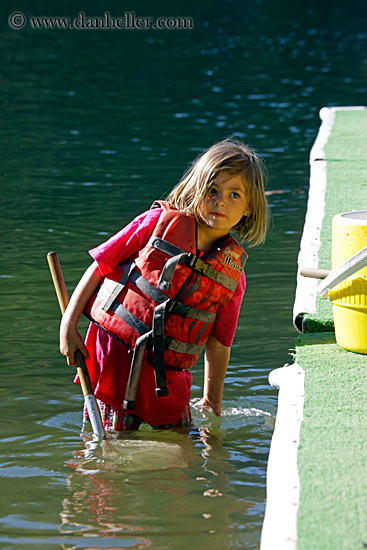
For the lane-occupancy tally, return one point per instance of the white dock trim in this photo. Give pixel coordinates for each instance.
(279, 530)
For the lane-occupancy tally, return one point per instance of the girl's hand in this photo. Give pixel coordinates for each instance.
(206, 406)
(70, 341)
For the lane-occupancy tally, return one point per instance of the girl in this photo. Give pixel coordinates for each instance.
(166, 286)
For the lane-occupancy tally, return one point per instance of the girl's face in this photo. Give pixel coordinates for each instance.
(225, 204)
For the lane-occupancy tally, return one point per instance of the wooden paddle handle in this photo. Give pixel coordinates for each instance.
(314, 273)
(58, 280)
(63, 298)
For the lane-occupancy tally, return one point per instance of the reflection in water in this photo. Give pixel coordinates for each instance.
(157, 486)
(96, 125)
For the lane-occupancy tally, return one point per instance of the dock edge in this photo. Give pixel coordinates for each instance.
(279, 530)
(306, 289)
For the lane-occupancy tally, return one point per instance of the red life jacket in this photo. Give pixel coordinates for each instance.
(167, 296)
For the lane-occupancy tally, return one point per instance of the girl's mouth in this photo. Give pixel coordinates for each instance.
(217, 214)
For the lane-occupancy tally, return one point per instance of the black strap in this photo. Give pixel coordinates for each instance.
(158, 346)
(148, 289)
(136, 324)
(182, 347)
(164, 282)
(135, 369)
(189, 259)
(178, 308)
(130, 273)
(209, 271)
(165, 246)
(127, 269)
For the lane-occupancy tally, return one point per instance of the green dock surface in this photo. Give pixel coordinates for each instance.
(332, 454)
(346, 190)
(317, 470)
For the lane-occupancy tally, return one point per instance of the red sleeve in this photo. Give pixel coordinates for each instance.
(126, 242)
(227, 317)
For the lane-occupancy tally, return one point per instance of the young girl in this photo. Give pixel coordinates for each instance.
(167, 286)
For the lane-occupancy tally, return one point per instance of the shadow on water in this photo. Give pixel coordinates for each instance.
(95, 126)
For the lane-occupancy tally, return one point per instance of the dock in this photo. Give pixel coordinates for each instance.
(317, 469)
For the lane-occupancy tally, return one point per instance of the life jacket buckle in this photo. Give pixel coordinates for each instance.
(191, 260)
(197, 264)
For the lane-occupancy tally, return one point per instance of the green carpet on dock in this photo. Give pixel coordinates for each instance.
(332, 457)
(346, 190)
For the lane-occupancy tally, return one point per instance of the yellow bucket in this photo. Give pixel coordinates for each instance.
(349, 298)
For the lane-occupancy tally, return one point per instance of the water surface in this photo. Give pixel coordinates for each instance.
(95, 126)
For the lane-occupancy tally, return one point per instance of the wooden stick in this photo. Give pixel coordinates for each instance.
(63, 298)
(58, 280)
(314, 273)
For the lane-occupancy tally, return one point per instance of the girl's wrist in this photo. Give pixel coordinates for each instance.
(214, 406)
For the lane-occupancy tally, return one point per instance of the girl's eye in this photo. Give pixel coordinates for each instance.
(212, 190)
(236, 195)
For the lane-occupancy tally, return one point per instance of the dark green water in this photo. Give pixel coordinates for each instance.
(96, 124)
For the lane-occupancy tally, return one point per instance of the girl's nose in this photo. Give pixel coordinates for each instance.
(218, 198)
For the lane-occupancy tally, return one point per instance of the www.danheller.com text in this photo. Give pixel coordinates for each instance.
(129, 20)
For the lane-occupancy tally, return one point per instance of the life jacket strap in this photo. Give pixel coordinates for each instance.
(209, 271)
(159, 317)
(160, 343)
(178, 308)
(157, 335)
(164, 282)
(150, 290)
(165, 246)
(124, 314)
(135, 369)
(119, 286)
(139, 326)
(182, 347)
(189, 259)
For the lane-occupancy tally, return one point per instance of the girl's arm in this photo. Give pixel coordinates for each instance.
(216, 363)
(70, 339)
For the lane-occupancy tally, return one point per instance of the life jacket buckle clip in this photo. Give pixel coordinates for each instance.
(191, 260)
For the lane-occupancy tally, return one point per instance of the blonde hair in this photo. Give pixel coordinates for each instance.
(233, 156)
